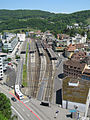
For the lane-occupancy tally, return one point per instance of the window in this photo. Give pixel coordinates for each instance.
(71, 66)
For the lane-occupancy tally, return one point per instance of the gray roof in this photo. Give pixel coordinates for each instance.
(52, 53)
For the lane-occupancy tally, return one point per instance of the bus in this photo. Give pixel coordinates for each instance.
(18, 92)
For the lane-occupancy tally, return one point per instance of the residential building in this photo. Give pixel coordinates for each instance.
(69, 27)
(64, 42)
(8, 36)
(78, 39)
(76, 24)
(80, 46)
(1, 69)
(69, 51)
(62, 36)
(4, 60)
(74, 68)
(79, 56)
(10, 45)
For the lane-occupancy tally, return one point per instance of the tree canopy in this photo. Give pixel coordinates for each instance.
(5, 107)
(43, 20)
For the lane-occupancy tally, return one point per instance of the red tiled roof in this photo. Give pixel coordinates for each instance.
(71, 48)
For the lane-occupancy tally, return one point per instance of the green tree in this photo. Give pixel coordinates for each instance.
(2, 117)
(5, 106)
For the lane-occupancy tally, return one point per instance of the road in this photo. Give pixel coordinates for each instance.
(23, 111)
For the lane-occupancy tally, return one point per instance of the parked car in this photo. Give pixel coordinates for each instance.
(14, 99)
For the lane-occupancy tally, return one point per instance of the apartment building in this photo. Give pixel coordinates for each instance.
(4, 60)
(1, 68)
(80, 55)
(70, 50)
(62, 36)
(10, 45)
(78, 39)
(73, 68)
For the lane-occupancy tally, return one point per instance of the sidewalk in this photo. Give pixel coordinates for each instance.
(50, 112)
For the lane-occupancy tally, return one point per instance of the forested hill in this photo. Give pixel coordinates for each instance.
(37, 19)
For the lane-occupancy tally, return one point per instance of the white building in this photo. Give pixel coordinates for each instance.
(8, 36)
(10, 45)
(69, 27)
(4, 60)
(76, 24)
(21, 37)
(78, 39)
(1, 68)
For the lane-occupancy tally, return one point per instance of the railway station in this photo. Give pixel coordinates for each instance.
(51, 54)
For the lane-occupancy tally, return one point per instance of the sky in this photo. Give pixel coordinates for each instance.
(56, 6)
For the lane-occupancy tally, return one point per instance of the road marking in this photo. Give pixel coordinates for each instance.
(26, 101)
(26, 106)
(17, 112)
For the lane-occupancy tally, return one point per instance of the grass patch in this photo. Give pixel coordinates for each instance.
(25, 68)
(27, 51)
(24, 83)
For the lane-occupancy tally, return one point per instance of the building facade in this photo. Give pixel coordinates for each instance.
(1, 68)
(73, 68)
(86, 74)
(10, 45)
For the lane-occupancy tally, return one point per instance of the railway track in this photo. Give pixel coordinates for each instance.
(33, 69)
(48, 75)
(41, 75)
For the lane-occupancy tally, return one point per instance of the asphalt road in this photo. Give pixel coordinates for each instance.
(24, 112)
